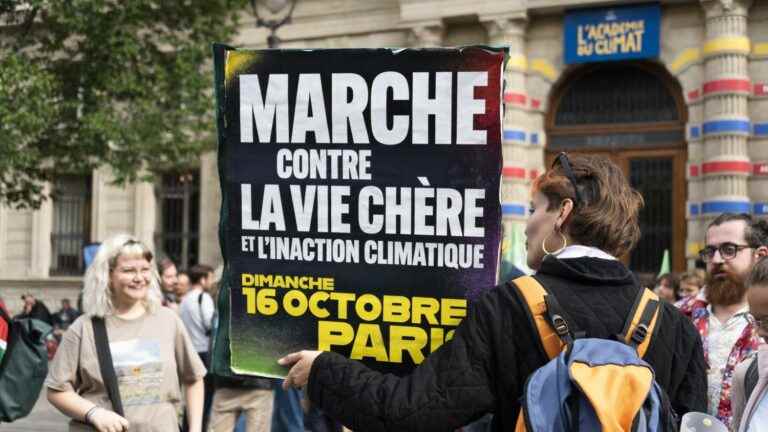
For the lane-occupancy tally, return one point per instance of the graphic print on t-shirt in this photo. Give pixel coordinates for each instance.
(139, 370)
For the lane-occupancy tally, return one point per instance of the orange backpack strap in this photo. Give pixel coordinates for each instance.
(642, 321)
(533, 294)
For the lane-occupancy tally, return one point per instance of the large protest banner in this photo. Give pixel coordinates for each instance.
(360, 199)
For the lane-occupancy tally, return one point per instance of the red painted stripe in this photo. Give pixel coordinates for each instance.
(693, 94)
(760, 169)
(514, 172)
(534, 174)
(535, 103)
(727, 85)
(731, 166)
(515, 98)
(761, 89)
(693, 170)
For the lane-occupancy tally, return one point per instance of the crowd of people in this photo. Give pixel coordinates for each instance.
(708, 351)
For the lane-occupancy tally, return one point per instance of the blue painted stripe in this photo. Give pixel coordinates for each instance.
(534, 138)
(761, 129)
(514, 135)
(761, 209)
(693, 209)
(513, 209)
(695, 132)
(726, 207)
(721, 126)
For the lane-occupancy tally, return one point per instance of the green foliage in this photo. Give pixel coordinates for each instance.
(85, 83)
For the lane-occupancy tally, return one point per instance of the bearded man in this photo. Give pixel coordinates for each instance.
(734, 243)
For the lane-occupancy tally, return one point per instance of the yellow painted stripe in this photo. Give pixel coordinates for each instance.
(235, 62)
(760, 49)
(544, 68)
(685, 59)
(726, 44)
(517, 62)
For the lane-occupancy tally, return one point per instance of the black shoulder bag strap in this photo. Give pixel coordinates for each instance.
(750, 379)
(106, 365)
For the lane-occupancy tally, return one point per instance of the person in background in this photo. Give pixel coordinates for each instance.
(734, 243)
(168, 283)
(750, 411)
(63, 318)
(690, 286)
(152, 353)
(197, 313)
(182, 287)
(34, 308)
(667, 287)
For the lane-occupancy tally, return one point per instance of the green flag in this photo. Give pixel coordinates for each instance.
(664, 263)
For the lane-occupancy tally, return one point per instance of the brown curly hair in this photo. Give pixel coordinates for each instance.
(606, 216)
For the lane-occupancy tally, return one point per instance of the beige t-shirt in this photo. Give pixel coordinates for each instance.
(151, 355)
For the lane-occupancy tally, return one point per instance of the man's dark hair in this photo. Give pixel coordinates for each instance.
(197, 272)
(755, 232)
(759, 274)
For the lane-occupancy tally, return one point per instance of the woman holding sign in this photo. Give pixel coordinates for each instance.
(583, 215)
(120, 366)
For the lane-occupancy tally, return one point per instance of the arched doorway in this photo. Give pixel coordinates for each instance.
(633, 113)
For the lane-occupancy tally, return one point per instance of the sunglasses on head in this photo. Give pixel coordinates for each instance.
(562, 160)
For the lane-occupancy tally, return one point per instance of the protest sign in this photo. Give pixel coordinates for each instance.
(360, 199)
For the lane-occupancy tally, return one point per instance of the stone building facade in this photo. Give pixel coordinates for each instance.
(689, 126)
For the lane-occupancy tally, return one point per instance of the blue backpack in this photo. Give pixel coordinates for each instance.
(592, 384)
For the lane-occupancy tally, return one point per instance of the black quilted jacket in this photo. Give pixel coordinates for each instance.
(483, 369)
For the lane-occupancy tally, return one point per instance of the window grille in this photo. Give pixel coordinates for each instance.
(71, 224)
(179, 217)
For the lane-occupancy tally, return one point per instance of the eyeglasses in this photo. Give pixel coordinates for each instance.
(727, 250)
(562, 159)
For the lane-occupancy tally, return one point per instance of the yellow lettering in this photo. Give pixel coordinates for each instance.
(246, 279)
(342, 300)
(330, 333)
(452, 311)
(361, 307)
(396, 309)
(295, 303)
(265, 301)
(410, 339)
(426, 307)
(369, 343)
(314, 306)
(250, 300)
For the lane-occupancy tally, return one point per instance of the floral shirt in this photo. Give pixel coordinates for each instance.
(725, 345)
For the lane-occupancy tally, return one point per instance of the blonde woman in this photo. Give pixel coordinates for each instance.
(151, 351)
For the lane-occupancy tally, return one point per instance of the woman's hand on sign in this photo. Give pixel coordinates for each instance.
(300, 364)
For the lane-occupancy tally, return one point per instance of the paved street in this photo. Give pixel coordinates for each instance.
(43, 418)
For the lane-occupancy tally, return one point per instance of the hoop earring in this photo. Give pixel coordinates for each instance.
(555, 252)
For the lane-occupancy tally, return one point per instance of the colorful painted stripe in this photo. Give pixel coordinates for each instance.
(693, 94)
(534, 138)
(726, 126)
(725, 207)
(685, 59)
(535, 103)
(760, 208)
(760, 49)
(513, 209)
(534, 174)
(694, 132)
(727, 44)
(514, 135)
(517, 62)
(513, 172)
(693, 209)
(544, 68)
(760, 89)
(760, 129)
(515, 98)
(694, 248)
(727, 85)
(693, 170)
(760, 169)
(726, 166)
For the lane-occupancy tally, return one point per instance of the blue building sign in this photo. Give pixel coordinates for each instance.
(614, 33)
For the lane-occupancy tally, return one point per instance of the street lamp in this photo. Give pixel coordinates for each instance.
(273, 6)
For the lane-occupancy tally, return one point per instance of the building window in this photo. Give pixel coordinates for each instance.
(179, 217)
(71, 224)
